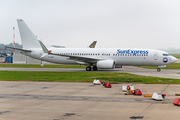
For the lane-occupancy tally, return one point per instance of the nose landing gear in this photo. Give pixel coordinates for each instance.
(159, 69)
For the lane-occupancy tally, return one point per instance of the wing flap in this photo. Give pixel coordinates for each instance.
(79, 58)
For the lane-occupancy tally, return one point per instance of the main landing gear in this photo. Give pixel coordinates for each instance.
(88, 68)
(95, 68)
(159, 69)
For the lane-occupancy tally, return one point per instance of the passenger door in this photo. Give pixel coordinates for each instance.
(155, 55)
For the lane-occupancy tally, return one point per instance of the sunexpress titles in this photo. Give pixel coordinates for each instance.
(129, 51)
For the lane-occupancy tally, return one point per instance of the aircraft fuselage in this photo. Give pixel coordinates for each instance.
(138, 57)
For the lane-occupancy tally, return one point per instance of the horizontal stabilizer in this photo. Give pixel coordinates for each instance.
(20, 49)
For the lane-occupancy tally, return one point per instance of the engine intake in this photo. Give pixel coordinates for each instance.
(106, 64)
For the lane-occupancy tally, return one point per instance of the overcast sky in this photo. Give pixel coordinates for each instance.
(113, 23)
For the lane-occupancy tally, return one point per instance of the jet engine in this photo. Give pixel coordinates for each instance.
(106, 64)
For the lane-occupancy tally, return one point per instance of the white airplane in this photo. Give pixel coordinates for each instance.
(99, 58)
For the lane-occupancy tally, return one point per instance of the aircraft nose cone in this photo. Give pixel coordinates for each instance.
(173, 59)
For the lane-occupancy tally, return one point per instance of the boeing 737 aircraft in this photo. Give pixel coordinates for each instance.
(99, 58)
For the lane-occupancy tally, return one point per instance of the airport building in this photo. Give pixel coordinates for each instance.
(7, 56)
(23, 59)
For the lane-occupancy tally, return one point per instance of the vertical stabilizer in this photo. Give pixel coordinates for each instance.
(28, 39)
(93, 44)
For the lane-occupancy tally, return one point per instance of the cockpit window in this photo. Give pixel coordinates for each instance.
(166, 54)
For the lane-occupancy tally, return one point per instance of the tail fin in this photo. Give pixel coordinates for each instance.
(93, 44)
(28, 39)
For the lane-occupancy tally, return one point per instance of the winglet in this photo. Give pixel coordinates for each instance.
(44, 47)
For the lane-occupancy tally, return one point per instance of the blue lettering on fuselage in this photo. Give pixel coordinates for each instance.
(129, 51)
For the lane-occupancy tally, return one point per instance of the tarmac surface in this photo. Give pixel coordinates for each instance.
(165, 73)
(178, 61)
(84, 101)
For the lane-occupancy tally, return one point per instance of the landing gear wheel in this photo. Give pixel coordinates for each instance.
(158, 69)
(88, 68)
(95, 68)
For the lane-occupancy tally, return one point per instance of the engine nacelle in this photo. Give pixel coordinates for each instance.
(106, 64)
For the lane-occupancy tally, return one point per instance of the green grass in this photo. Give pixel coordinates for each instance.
(39, 66)
(171, 66)
(176, 56)
(81, 77)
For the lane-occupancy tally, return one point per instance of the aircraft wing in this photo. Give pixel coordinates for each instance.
(77, 58)
(80, 58)
(23, 50)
